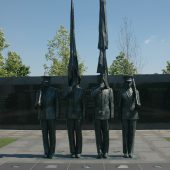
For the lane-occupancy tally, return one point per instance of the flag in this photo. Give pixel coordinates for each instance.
(73, 70)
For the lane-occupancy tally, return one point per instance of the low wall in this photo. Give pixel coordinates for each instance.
(17, 98)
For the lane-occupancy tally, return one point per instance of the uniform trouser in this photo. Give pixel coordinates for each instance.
(102, 135)
(128, 134)
(49, 136)
(74, 127)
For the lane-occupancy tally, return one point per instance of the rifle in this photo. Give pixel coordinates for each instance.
(137, 102)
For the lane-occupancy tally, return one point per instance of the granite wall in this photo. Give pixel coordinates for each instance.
(17, 98)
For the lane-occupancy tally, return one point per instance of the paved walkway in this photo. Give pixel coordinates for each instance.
(151, 149)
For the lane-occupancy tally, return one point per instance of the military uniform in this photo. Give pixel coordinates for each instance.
(129, 116)
(75, 116)
(104, 110)
(47, 103)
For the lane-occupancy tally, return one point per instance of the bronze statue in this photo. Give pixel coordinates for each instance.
(75, 106)
(129, 105)
(47, 104)
(104, 110)
(75, 116)
(103, 94)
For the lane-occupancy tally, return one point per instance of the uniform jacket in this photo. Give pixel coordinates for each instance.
(104, 103)
(49, 101)
(75, 103)
(128, 106)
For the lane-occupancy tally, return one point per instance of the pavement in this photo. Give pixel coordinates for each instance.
(152, 151)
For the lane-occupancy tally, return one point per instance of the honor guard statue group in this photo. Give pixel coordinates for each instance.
(47, 102)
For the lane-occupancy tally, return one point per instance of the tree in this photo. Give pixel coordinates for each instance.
(122, 65)
(167, 70)
(59, 53)
(128, 44)
(3, 72)
(3, 43)
(12, 65)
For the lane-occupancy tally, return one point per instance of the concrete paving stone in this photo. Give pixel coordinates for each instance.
(86, 166)
(150, 156)
(50, 166)
(140, 149)
(122, 166)
(165, 151)
(162, 144)
(146, 147)
(22, 158)
(18, 166)
(152, 139)
(155, 166)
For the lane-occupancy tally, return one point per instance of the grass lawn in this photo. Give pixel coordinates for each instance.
(168, 139)
(6, 141)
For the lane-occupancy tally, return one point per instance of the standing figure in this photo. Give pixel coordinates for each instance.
(104, 110)
(75, 106)
(47, 104)
(75, 116)
(129, 105)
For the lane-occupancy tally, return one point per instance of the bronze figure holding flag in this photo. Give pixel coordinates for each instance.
(75, 95)
(103, 94)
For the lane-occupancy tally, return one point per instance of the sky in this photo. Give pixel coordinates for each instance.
(29, 24)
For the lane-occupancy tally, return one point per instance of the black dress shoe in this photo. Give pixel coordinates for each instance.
(78, 155)
(72, 156)
(125, 155)
(105, 155)
(99, 156)
(131, 156)
(50, 156)
(45, 156)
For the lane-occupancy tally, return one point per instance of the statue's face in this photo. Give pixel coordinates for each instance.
(46, 83)
(128, 84)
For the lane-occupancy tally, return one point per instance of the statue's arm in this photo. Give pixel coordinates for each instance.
(57, 102)
(111, 102)
(38, 99)
(120, 104)
(138, 102)
(83, 104)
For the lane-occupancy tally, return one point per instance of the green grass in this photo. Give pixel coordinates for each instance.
(6, 141)
(168, 139)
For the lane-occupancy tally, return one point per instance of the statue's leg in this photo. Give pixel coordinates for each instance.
(44, 127)
(52, 136)
(105, 134)
(70, 128)
(98, 136)
(78, 130)
(125, 136)
(131, 137)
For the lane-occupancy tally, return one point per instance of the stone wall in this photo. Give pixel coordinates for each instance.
(17, 98)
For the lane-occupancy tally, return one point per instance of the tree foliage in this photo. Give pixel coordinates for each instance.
(14, 66)
(167, 69)
(3, 44)
(122, 65)
(58, 54)
(11, 65)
